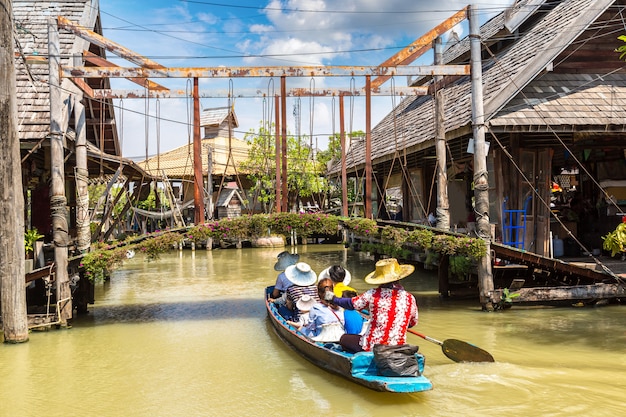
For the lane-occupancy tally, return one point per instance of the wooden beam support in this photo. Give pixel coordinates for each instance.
(247, 72)
(101, 41)
(101, 62)
(252, 93)
(421, 45)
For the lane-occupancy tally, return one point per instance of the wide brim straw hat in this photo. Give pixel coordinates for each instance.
(305, 303)
(326, 274)
(301, 274)
(388, 270)
(286, 259)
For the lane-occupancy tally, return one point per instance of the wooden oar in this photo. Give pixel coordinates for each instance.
(457, 350)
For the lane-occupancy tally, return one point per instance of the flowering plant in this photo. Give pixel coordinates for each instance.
(360, 226)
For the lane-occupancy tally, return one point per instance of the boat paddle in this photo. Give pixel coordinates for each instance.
(457, 350)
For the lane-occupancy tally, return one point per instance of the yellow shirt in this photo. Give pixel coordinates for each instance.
(340, 287)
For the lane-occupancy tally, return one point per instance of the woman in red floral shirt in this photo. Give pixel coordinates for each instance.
(392, 309)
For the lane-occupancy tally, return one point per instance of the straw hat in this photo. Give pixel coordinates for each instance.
(305, 303)
(388, 270)
(301, 274)
(285, 259)
(326, 274)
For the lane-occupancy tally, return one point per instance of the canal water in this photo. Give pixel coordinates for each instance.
(188, 336)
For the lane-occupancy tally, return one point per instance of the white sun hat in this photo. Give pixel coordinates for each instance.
(301, 274)
(305, 303)
(326, 274)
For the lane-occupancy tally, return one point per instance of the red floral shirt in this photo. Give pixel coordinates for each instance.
(392, 311)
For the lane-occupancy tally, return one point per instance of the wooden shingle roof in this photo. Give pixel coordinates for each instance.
(31, 21)
(505, 74)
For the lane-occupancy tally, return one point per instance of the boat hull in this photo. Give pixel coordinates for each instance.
(359, 368)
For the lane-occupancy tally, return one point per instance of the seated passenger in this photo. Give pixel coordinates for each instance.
(304, 305)
(285, 259)
(326, 320)
(341, 278)
(302, 278)
(354, 322)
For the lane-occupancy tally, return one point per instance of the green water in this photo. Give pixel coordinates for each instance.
(188, 336)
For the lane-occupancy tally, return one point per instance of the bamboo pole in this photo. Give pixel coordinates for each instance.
(12, 253)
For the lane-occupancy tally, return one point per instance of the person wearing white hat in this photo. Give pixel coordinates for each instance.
(341, 278)
(303, 279)
(326, 321)
(392, 309)
(304, 305)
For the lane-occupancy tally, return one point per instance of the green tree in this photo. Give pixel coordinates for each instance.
(305, 176)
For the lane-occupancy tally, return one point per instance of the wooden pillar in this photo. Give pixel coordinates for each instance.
(58, 200)
(368, 147)
(198, 194)
(279, 200)
(283, 126)
(481, 183)
(344, 174)
(83, 232)
(443, 205)
(12, 253)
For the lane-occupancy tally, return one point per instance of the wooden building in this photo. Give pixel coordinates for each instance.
(554, 110)
(222, 155)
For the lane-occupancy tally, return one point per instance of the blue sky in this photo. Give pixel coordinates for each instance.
(179, 33)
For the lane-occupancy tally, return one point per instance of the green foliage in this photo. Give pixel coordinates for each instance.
(615, 241)
(507, 296)
(153, 247)
(304, 174)
(30, 237)
(621, 49)
(460, 265)
(102, 260)
(423, 238)
(394, 236)
(361, 226)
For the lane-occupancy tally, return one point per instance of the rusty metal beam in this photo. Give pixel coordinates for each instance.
(243, 72)
(254, 93)
(101, 62)
(421, 45)
(105, 43)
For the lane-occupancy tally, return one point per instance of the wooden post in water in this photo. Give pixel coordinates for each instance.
(277, 141)
(481, 183)
(344, 174)
(443, 205)
(368, 148)
(12, 253)
(58, 200)
(198, 193)
(83, 231)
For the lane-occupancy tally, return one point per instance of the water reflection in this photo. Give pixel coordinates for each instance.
(188, 336)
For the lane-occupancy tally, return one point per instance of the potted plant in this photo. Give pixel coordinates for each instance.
(30, 237)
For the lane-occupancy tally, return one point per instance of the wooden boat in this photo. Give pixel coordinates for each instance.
(357, 367)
